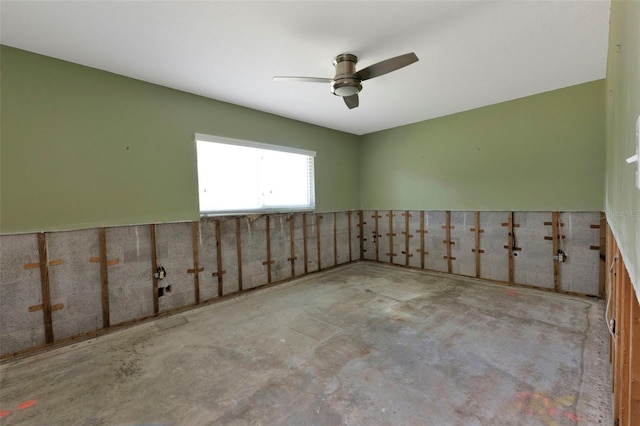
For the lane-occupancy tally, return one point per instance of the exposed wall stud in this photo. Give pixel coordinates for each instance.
(623, 316)
(448, 241)
(239, 251)
(318, 219)
(634, 357)
(376, 235)
(349, 221)
(304, 243)
(407, 235)
(477, 250)
(603, 255)
(44, 284)
(154, 267)
(554, 237)
(421, 231)
(292, 246)
(391, 234)
(220, 271)
(335, 240)
(361, 231)
(268, 262)
(195, 238)
(104, 277)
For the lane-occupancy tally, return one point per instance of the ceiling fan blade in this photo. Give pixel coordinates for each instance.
(351, 101)
(302, 79)
(386, 66)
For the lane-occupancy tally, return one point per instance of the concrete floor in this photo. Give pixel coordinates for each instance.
(362, 344)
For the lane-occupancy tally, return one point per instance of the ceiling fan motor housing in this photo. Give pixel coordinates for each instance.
(345, 83)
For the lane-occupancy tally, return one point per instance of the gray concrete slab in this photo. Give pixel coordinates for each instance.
(362, 344)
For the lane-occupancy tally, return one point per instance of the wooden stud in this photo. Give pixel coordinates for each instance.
(220, 271)
(154, 267)
(510, 225)
(104, 277)
(112, 262)
(239, 251)
(610, 287)
(622, 327)
(349, 220)
(407, 235)
(304, 242)
(36, 265)
(476, 232)
(448, 228)
(617, 340)
(551, 224)
(292, 244)
(391, 254)
(361, 230)
(40, 307)
(555, 237)
(603, 255)
(634, 357)
(377, 235)
(196, 268)
(422, 231)
(335, 240)
(318, 219)
(269, 262)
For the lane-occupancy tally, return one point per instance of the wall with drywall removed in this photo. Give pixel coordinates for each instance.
(58, 286)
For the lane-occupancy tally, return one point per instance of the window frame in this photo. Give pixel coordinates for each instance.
(200, 137)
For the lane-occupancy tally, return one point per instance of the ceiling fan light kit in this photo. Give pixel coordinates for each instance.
(347, 82)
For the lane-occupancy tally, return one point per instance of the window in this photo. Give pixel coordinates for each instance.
(236, 176)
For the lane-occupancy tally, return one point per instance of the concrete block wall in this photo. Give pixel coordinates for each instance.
(75, 284)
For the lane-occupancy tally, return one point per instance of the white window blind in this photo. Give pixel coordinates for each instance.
(236, 176)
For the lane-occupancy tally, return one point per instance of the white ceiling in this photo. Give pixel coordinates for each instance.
(471, 53)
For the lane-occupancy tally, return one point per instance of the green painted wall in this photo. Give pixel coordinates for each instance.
(623, 109)
(84, 148)
(543, 152)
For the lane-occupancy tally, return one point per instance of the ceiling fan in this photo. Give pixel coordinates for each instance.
(346, 82)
